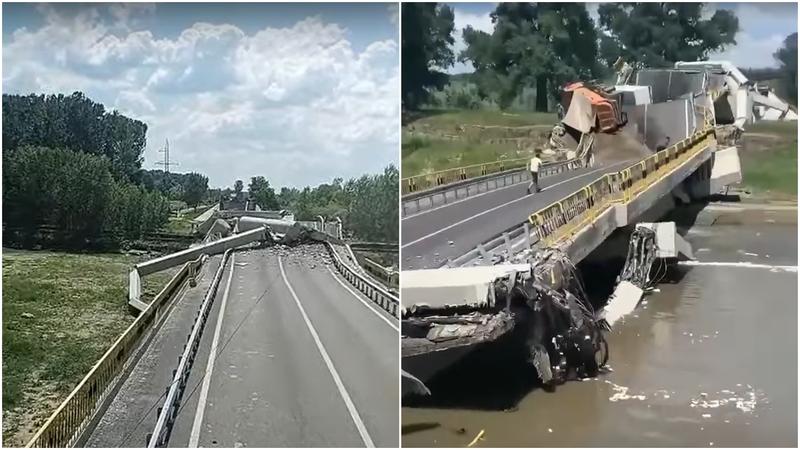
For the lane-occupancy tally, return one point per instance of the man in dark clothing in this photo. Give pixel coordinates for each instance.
(664, 145)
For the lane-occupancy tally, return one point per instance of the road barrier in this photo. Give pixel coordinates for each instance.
(383, 298)
(420, 183)
(387, 275)
(428, 191)
(563, 219)
(72, 417)
(169, 411)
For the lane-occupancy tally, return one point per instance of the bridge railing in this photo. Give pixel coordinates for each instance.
(72, 417)
(419, 183)
(390, 277)
(378, 294)
(333, 229)
(564, 218)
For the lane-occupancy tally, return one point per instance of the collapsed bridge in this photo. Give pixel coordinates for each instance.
(268, 335)
(460, 239)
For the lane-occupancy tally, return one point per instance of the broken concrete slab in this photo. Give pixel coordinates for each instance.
(622, 302)
(669, 243)
(458, 286)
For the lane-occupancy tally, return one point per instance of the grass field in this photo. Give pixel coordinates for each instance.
(452, 118)
(61, 311)
(182, 224)
(769, 160)
(426, 149)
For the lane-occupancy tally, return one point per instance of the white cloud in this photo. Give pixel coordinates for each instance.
(298, 104)
(762, 29)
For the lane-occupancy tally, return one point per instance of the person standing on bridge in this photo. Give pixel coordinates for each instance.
(664, 145)
(534, 165)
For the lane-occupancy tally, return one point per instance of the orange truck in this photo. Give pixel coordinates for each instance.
(606, 108)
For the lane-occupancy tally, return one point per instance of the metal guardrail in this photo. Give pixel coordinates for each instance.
(419, 183)
(332, 229)
(442, 177)
(564, 218)
(167, 414)
(390, 277)
(71, 418)
(380, 247)
(385, 299)
(420, 200)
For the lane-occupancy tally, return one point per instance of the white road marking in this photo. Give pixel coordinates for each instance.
(351, 407)
(371, 308)
(462, 221)
(194, 437)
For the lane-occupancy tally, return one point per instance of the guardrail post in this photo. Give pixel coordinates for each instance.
(527, 232)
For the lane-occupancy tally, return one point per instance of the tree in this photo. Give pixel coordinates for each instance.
(542, 45)
(372, 213)
(660, 34)
(263, 194)
(76, 123)
(366, 205)
(75, 193)
(426, 45)
(194, 188)
(238, 186)
(787, 55)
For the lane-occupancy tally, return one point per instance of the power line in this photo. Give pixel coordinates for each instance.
(166, 162)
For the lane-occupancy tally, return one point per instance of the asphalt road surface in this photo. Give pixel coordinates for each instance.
(291, 355)
(431, 237)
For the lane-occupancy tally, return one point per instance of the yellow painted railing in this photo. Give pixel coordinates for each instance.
(564, 218)
(72, 417)
(447, 176)
(440, 178)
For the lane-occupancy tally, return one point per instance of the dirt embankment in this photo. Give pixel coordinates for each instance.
(621, 146)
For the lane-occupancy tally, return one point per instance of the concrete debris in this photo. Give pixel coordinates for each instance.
(648, 242)
(622, 302)
(411, 384)
(545, 299)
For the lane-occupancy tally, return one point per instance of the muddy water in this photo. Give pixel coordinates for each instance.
(709, 360)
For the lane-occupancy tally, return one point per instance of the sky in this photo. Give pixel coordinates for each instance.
(762, 29)
(298, 93)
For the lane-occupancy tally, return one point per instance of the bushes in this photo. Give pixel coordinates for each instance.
(76, 194)
(459, 95)
(366, 205)
(134, 212)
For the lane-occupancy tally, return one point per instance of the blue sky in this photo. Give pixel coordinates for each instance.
(763, 26)
(299, 93)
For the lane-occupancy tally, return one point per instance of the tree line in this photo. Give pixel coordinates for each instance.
(190, 188)
(542, 46)
(367, 205)
(73, 167)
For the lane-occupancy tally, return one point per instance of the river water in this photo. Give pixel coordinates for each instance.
(710, 359)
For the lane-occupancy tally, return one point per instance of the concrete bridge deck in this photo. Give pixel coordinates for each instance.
(430, 237)
(436, 237)
(291, 355)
